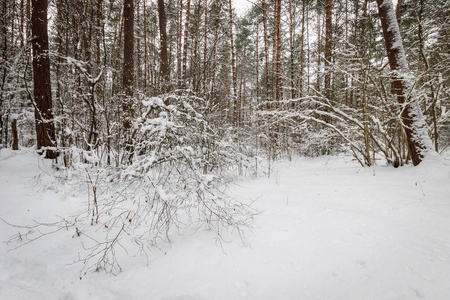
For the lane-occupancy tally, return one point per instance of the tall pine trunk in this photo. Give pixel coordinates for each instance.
(328, 41)
(266, 51)
(128, 62)
(185, 46)
(278, 71)
(45, 128)
(233, 69)
(163, 35)
(411, 115)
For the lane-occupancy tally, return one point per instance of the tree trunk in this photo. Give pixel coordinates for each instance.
(163, 35)
(274, 51)
(138, 47)
(279, 83)
(328, 41)
(185, 46)
(45, 129)
(145, 47)
(291, 48)
(258, 98)
(205, 49)
(425, 67)
(128, 62)
(233, 68)
(15, 142)
(319, 50)
(266, 50)
(413, 121)
(179, 45)
(302, 51)
(195, 60)
(3, 68)
(22, 21)
(399, 12)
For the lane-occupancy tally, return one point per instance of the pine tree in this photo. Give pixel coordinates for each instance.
(45, 129)
(412, 118)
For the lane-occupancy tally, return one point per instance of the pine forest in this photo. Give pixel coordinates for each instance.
(156, 107)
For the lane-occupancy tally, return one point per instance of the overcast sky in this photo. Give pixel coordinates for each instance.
(241, 5)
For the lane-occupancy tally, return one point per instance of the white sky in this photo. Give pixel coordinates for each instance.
(242, 5)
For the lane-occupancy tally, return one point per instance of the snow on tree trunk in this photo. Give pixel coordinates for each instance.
(413, 121)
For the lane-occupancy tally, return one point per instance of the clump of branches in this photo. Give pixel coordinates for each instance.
(176, 179)
(317, 125)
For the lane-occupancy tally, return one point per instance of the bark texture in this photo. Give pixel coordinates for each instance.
(45, 129)
(411, 115)
(15, 136)
(163, 38)
(328, 41)
(233, 68)
(128, 62)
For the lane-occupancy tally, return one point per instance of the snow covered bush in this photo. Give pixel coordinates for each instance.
(175, 179)
(318, 126)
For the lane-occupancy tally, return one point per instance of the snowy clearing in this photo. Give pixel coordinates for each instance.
(329, 229)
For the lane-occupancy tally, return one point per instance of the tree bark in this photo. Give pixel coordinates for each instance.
(138, 47)
(45, 129)
(145, 47)
(399, 12)
(258, 98)
(15, 137)
(233, 68)
(266, 50)
(128, 62)
(205, 49)
(302, 51)
(185, 46)
(319, 50)
(3, 68)
(328, 41)
(411, 114)
(274, 87)
(179, 43)
(195, 61)
(279, 82)
(163, 37)
(291, 48)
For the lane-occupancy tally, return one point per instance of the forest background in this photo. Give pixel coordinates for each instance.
(307, 77)
(165, 102)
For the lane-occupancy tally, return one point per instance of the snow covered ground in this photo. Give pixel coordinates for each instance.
(329, 230)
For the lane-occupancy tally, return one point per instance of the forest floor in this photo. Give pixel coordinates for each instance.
(328, 229)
